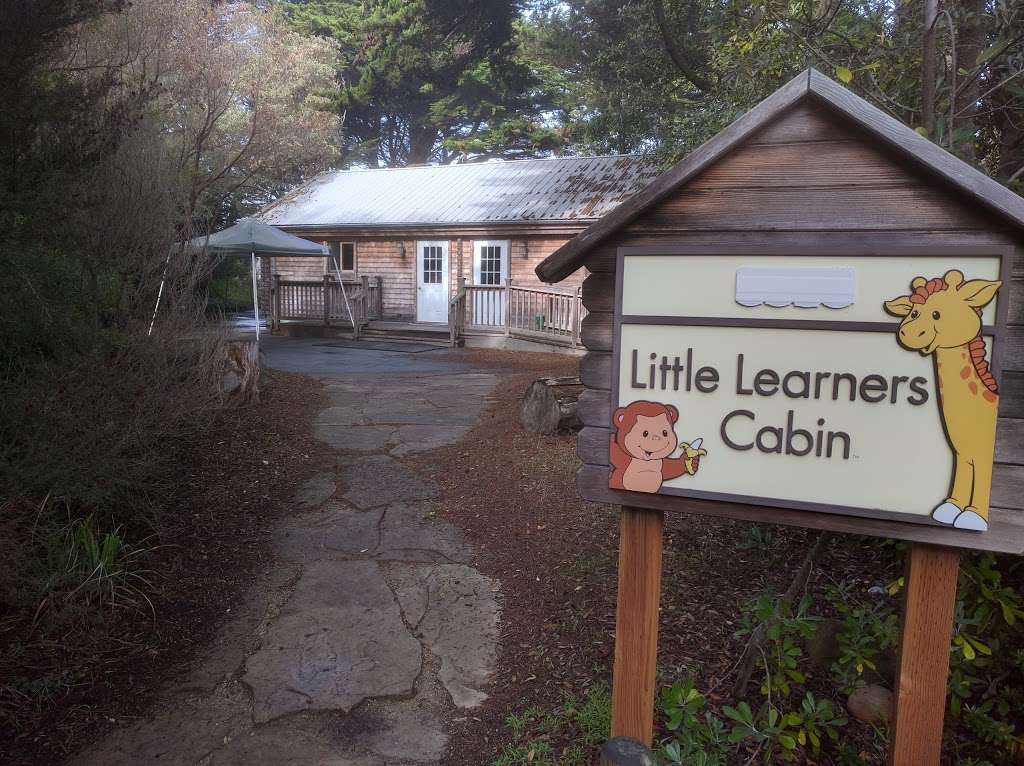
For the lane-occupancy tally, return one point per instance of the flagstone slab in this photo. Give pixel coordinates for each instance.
(422, 438)
(411, 532)
(353, 437)
(458, 616)
(337, 530)
(381, 480)
(339, 640)
(315, 490)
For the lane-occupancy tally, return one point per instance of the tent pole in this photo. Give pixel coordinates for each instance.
(348, 306)
(255, 295)
(159, 294)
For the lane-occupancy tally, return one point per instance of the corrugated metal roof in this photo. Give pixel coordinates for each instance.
(555, 189)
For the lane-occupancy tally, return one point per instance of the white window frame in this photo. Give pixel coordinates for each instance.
(478, 246)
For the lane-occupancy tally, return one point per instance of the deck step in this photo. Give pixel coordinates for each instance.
(405, 335)
(406, 329)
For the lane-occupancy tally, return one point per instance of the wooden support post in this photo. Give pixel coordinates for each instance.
(327, 299)
(276, 302)
(636, 624)
(380, 297)
(577, 305)
(929, 600)
(508, 306)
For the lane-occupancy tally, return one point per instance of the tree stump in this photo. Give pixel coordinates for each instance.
(241, 378)
(550, 405)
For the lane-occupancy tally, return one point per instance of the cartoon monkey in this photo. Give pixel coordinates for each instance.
(640, 447)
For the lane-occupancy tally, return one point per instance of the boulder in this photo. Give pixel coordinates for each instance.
(871, 704)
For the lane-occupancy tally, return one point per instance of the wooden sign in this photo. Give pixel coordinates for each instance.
(799, 378)
(813, 319)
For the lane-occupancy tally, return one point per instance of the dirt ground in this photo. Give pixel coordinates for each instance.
(237, 478)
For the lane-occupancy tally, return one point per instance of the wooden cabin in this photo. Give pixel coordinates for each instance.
(813, 167)
(417, 236)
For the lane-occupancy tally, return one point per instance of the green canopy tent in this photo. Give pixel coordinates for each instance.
(251, 237)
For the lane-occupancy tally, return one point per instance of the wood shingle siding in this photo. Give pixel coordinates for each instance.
(382, 256)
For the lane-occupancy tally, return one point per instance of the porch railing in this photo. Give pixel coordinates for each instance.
(551, 314)
(323, 300)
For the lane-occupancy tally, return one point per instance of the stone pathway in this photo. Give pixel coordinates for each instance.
(373, 629)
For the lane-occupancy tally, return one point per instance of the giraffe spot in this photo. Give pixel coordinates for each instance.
(963, 354)
(973, 386)
(989, 396)
(965, 373)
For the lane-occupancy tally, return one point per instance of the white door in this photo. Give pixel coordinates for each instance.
(490, 270)
(432, 281)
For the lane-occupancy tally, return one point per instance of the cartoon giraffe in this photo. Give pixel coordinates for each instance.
(942, 317)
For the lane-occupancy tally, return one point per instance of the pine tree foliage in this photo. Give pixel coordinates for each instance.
(431, 80)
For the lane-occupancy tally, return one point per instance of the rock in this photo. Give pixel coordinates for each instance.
(871, 704)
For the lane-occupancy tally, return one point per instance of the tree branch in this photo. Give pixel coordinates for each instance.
(684, 60)
(791, 595)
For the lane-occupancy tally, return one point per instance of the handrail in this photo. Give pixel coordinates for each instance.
(457, 313)
(327, 299)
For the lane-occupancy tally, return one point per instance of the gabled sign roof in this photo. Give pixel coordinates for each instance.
(810, 84)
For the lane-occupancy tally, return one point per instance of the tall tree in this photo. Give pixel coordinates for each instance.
(429, 80)
(667, 74)
(239, 96)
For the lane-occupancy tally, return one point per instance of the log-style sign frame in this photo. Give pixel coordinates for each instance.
(996, 331)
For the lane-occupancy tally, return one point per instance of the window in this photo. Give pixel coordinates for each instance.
(343, 256)
(490, 265)
(432, 265)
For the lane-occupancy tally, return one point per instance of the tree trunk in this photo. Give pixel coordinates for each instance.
(240, 382)
(928, 68)
(421, 144)
(970, 41)
(1011, 132)
(549, 405)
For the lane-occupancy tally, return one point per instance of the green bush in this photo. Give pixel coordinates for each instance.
(986, 680)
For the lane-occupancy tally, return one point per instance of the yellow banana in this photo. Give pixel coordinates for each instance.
(691, 455)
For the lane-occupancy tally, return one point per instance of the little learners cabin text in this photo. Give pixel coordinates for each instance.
(740, 429)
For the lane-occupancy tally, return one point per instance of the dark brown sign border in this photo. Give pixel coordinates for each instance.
(996, 331)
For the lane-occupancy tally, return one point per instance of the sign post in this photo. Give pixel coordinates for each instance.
(929, 599)
(636, 623)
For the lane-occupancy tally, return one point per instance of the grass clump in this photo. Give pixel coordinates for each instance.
(567, 734)
(84, 570)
